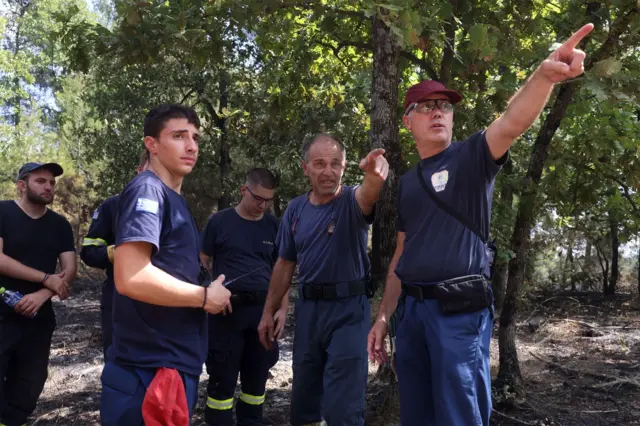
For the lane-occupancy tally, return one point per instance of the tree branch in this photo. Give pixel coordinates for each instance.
(422, 63)
(314, 5)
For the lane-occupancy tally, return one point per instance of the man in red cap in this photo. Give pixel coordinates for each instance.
(442, 261)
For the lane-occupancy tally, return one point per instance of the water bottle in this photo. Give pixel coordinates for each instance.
(10, 297)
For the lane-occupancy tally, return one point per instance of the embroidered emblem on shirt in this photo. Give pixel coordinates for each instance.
(147, 205)
(331, 227)
(439, 180)
(95, 214)
(268, 242)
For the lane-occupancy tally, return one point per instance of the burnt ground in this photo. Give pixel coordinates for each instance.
(579, 356)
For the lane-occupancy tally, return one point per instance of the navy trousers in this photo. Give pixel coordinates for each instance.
(442, 364)
(330, 366)
(123, 391)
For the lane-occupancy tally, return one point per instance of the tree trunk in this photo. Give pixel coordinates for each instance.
(615, 243)
(604, 266)
(384, 134)
(450, 37)
(499, 279)
(509, 373)
(225, 159)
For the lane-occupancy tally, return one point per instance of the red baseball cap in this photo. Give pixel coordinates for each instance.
(418, 92)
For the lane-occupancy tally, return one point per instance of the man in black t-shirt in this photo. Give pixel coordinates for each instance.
(239, 243)
(32, 241)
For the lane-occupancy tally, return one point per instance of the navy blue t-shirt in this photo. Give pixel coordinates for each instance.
(328, 241)
(147, 335)
(438, 247)
(101, 234)
(238, 246)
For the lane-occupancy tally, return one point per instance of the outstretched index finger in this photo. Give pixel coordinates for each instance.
(576, 37)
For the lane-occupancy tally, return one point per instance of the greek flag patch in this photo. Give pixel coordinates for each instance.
(147, 205)
(95, 214)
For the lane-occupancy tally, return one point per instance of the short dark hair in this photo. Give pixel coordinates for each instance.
(157, 116)
(263, 177)
(320, 136)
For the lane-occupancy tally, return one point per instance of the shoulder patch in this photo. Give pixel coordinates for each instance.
(96, 214)
(147, 205)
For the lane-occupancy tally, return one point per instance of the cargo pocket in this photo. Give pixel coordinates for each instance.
(121, 397)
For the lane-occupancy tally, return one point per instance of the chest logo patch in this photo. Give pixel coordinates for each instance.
(147, 205)
(439, 180)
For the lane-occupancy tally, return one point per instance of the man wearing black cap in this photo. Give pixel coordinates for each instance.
(442, 259)
(32, 240)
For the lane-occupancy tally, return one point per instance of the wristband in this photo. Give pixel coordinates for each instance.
(204, 301)
(46, 277)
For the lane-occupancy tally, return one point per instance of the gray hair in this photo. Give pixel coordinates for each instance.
(318, 137)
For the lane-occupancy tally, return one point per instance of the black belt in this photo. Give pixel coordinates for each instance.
(241, 298)
(330, 291)
(430, 291)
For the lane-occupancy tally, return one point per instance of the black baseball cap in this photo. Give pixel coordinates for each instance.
(54, 168)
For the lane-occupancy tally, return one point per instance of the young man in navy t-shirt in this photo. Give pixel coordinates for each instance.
(98, 250)
(325, 233)
(240, 243)
(159, 308)
(441, 265)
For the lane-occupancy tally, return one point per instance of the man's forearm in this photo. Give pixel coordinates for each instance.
(392, 291)
(46, 291)
(284, 302)
(152, 285)
(14, 269)
(370, 188)
(279, 285)
(526, 105)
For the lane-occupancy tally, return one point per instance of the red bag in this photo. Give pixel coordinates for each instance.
(165, 402)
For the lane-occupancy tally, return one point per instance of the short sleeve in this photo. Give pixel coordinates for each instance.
(399, 221)
(101, 223)
(140, 215)
(356, 211)
(208, 236)
(66, 236)
(284, 241)
(481, 156)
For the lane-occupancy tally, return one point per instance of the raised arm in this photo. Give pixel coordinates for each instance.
(375, 169)
(527, 104)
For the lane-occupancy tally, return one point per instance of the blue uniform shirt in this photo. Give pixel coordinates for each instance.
(148, 335)
(328, 241)
(438, 247)
(94, 247)
(238, 246)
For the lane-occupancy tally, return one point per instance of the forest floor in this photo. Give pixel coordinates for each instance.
(579, 356)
